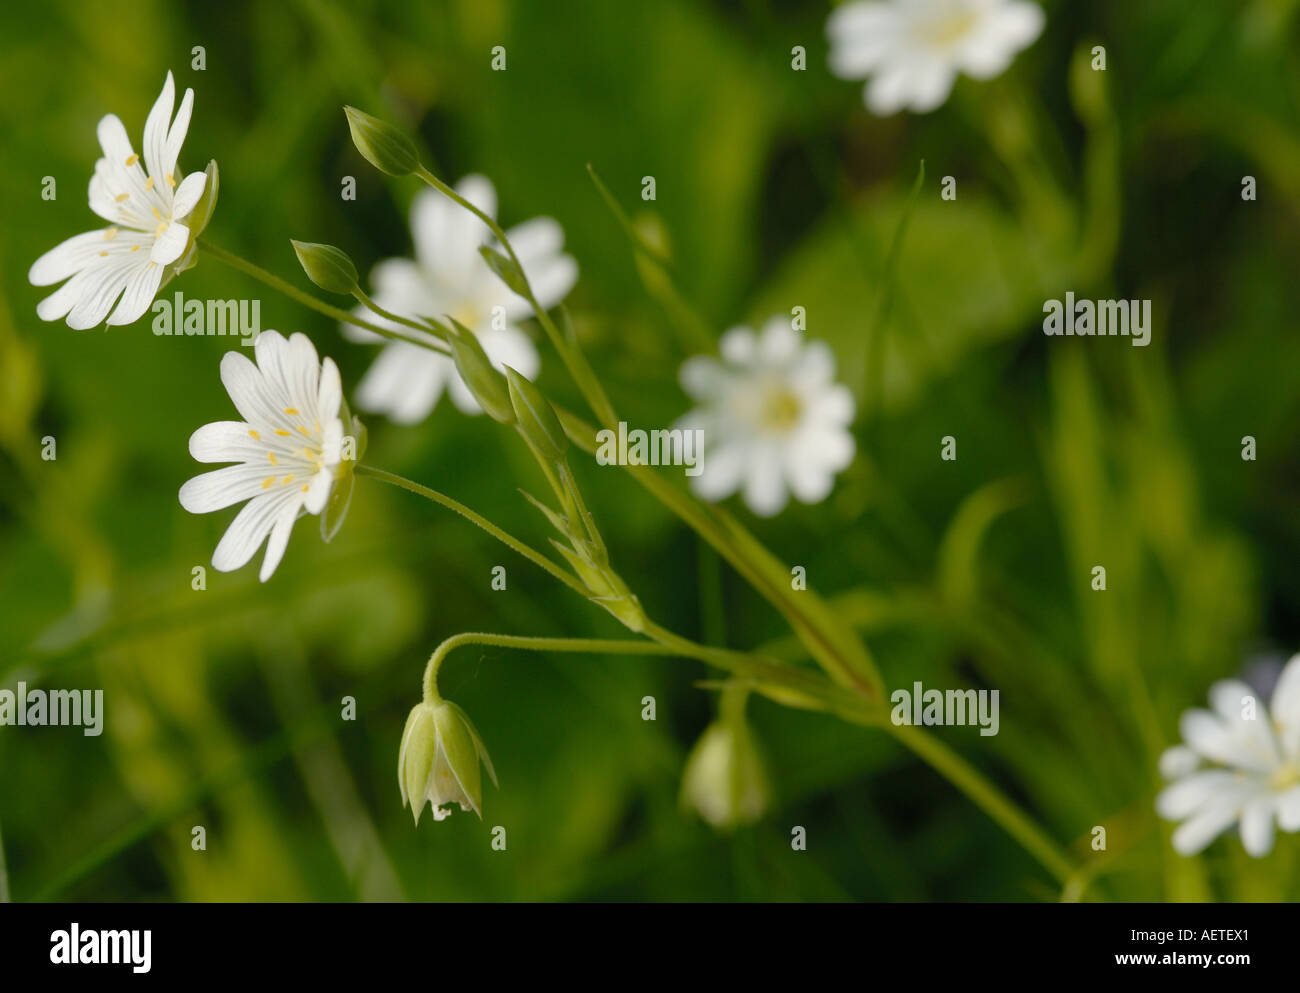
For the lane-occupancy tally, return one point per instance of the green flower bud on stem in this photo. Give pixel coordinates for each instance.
(326, 266)
(439, 758)
(484, 381)
(384, 146)
(537, 421)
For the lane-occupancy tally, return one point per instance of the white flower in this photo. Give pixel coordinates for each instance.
(288, 447)
(915, 48)
(145, 205)
(1256, 752)
(772, 416)
(449, 277)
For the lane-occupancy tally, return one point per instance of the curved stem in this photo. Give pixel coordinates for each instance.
(987, 797)
(593, 645)
(533, 556)
(307, 300)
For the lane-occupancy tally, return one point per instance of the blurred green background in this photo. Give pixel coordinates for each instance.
(775, 189)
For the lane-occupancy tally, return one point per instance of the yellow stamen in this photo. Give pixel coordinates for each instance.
(271, 456)
(305, 487)
(254, 435)
(132, 159)
(170, 180)
(121, 196)
(303, 430)
(287, 479)
(291, 411)
(148, 183)
(103, 255)
(110, 234)
(156, 215)
(267, 482)
(162, 226)
(135, 248)
(282, 432)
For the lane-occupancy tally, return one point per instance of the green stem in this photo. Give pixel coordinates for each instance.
(307, 300)
(366, 301)
(535, 557)
(593, 645)
(987, 797)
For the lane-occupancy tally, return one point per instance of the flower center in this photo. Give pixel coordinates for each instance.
(946, 28)
(1285, 776)
(780, 410)
(313, 452)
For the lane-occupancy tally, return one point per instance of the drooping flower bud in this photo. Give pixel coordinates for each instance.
(385, 147)
(724, 781)
(438, 761)
(326, 266)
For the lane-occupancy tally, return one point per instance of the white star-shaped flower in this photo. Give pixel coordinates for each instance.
(288, 448)
(914, 49)
(448, 276)
(1254, 771)
(772, 415)
(146, 204)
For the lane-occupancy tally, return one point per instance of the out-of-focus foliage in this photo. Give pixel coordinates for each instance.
(775, 189)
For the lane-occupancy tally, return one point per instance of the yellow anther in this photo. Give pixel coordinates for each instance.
(135, 248)
(291, 411)
(148, 183)
(170, 180)
(121, 197)
(287, 479)
(103, 255)
(266, 483)
(132, 159)
(282, 432)
(162, 226)
(271, 456)
(303, 430)
(253, 434)
(305, 487)
(110, 234)
(157, 215)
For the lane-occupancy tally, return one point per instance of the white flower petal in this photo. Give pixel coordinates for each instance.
(225, 487)
(764, 486)
(175, 139)
(170, 245)
(1196, 833)
(1184, 797)
(68, 257)
(1257, 827)
(138, 295)
(104, 284)
(1178, 761)
(155, 130)
(404, 382)
(188, 194)
(251, 526)
(279, 540)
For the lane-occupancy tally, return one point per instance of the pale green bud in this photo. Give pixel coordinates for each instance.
(537, 419)
(326, 266)
(438, 761)
(345, 477)
(196, 221)
(724, 781)
(384, 146)
(476, 369)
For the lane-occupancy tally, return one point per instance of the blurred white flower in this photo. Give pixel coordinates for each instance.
(288, 447)
(1255, 776)
(724, 781)
(146, 205)
(772, 415)
(448, 276)
(914, 49)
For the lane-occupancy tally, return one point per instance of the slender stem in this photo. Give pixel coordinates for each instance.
(987, 797)
(366, 301)
(535, 557)
(594, 645)
(307, 300)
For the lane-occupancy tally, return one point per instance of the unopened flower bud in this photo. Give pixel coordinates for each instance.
(326, 266)
(537, 419)
(384, 146)
(438, 761)
(479, 375)
(724, 781)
